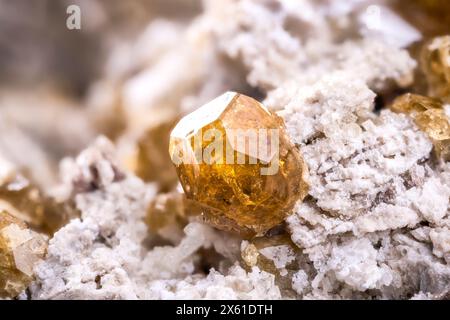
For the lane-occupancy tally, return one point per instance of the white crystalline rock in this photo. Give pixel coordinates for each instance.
(300, 281)
(355, 263)
(368, 174)
(281, 256)
(440, 238)
(393, 263)
(285, 45)
(353, 161)
(238, 284)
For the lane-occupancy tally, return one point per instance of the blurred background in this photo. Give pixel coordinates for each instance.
(60, 88)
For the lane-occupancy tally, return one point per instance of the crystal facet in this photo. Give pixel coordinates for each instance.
(429, 115)
(170, 209)
(233, 156)
(152, 162)
(25, 201)
(435, 63)
(20, 249)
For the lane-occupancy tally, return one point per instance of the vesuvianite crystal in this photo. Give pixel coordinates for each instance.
(234, 158)
(152, 163)
(429, 115)
(25, 201)
(435, 62)
(20, 249)
(168, 209)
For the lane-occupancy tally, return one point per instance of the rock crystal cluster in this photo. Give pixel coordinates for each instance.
(358, 209)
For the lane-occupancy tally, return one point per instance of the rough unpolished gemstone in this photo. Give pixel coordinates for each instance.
(20, 250)
(233, 156)
(429, 115)
(435, 62)
(151, 162)
(25, 201)
(170, 209)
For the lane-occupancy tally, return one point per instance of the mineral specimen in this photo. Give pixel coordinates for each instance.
(233, 156)
(152, 161)
(20, 249)
(25, 201)
(436, 66)
(274, 254)
(168, 213)
(429, 115)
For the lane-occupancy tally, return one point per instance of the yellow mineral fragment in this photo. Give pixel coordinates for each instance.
(26, 202)
(20, 250)
(152, 163)
(435, 63)
(234, 158)
(169, 209)
(429, 115)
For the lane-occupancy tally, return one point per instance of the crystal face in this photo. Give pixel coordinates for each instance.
(169, 209)
(20, 249)
(25, 201)
(435, 62)
(429, 115)
(234, 158)
(152, 162)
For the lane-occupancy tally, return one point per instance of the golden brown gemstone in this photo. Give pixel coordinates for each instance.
(152, 162)
(429, 115)
(20, 250)
(169, 209)
(233, 157)
(435, 62)
(25, 201)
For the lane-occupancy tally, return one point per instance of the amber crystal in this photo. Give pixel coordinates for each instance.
(233, 156)
(429, 115)
(152, 163)
(435, 62)
(168, 209)
(25, 201)
(20, 250)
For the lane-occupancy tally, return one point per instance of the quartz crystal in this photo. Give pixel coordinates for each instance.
(435, 63)
(20, 249)
(234, 158)
(429, 115)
